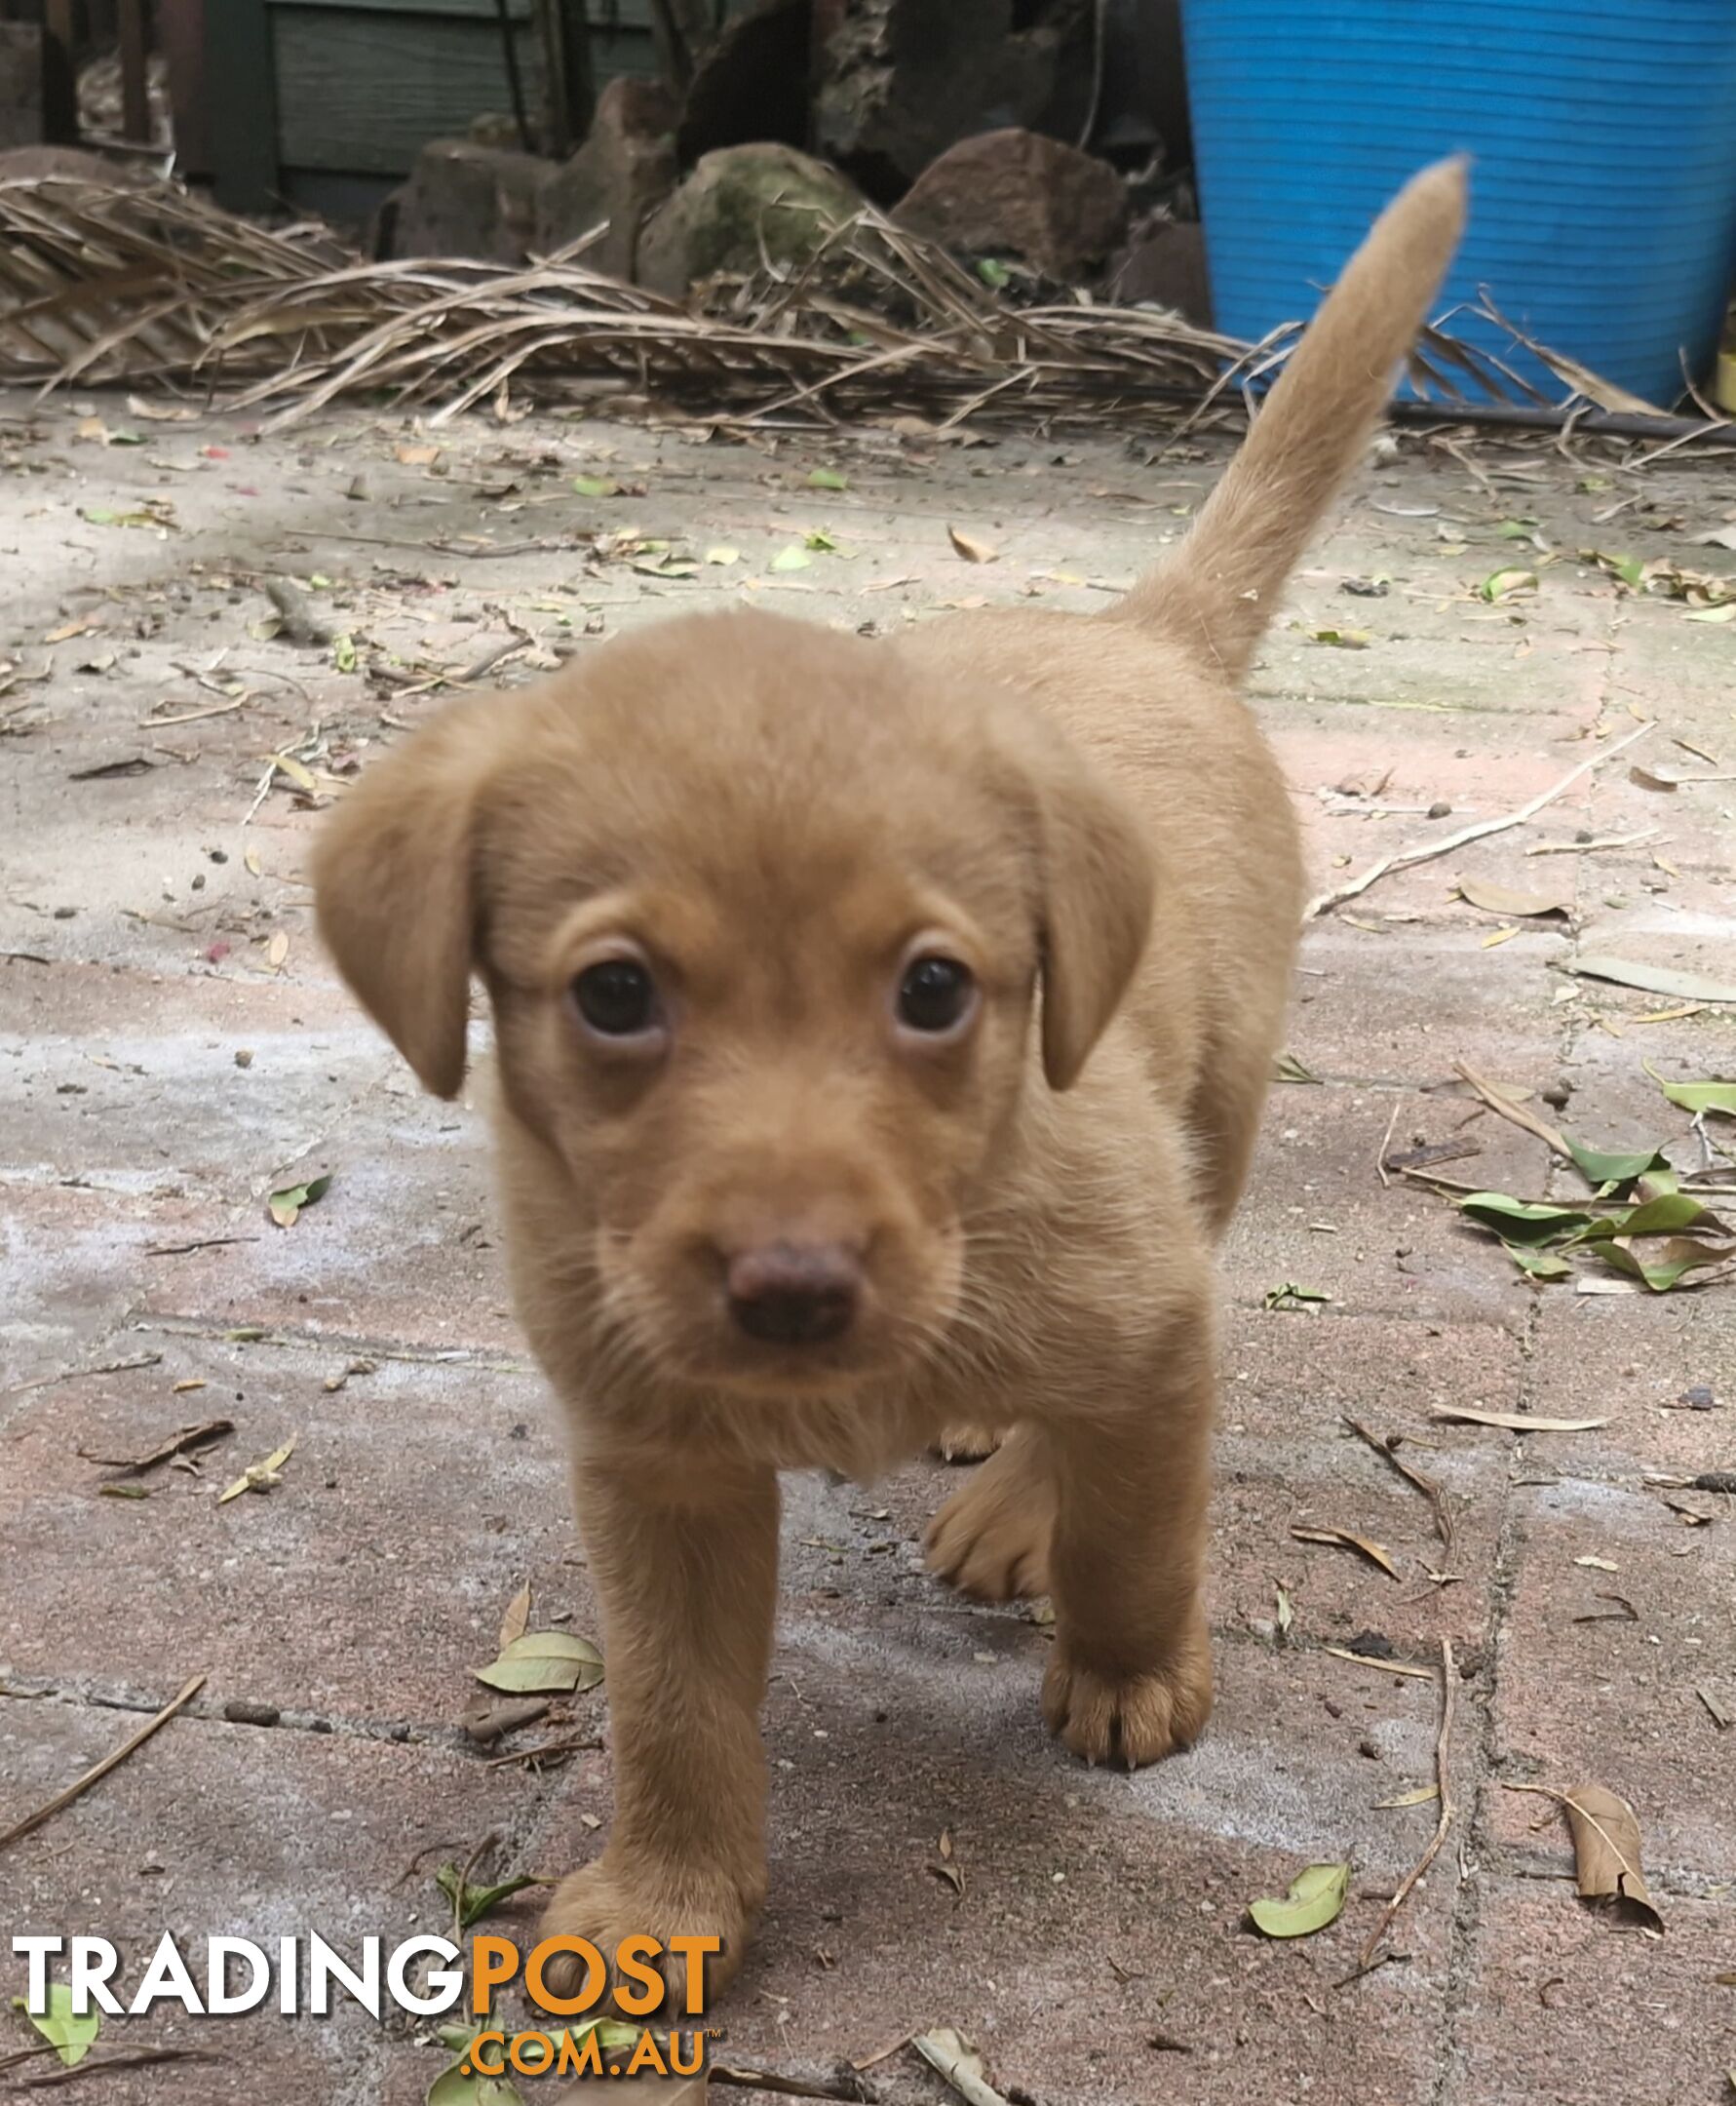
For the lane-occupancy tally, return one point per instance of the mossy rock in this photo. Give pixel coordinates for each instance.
(741, 206)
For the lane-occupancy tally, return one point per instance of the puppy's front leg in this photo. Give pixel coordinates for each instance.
(1130, 1678)
(687, 1578)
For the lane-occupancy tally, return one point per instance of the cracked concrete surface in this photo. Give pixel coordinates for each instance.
(149, 940)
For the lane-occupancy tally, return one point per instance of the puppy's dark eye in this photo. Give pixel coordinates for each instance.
(617, 996)
(935, 994)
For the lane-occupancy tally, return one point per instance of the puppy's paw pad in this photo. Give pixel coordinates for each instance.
(989, 1546)
(967, 1443)
(1126, 1720)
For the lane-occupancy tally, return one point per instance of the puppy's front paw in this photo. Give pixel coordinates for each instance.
(967, 1443)
(1128, 1719)
(613, 1899)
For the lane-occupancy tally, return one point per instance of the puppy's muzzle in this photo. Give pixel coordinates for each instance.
(795, 1294)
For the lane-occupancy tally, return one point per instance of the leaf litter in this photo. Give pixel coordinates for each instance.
(284, 1206)
(1375, 1553)
(1315, 1900)
(544, 1663)
(1607, 1847)
(260, 1477)
(70, 2037)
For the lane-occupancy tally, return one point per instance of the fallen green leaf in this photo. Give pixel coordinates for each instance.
(544, 1662)
(286, 1206)
(995, 276)
(343, 653)
(596, 486)
(1520, 1221)
(473, 1903)
(1288, 1294)
(1629, 568)
(71, 2038)
(1502, 585)
(1698, 1097)
(1607, 1169)
(1341, 638)
(1666, 1268)
(1538, 1263)
(1655, 979)
(1669, 1214)
(820, 542)
(792, 558)
(724, 555)
(1315, 1898)
(828, 478)
(453, 2087)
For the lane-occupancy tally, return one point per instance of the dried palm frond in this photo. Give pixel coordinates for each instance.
(139, 282)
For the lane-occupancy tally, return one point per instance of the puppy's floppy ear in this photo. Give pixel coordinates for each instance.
(1098, 881)
(394, 887)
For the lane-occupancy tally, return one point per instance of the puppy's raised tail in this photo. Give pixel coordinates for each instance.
(1220, 588)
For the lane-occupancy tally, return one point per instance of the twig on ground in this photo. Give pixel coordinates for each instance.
(1444, 1786)
(757, 2080)
(100, 2065)
(1589, 847)
(1427, 1486)
(1425, 851)
(195, 716)
(99, 1771)
(77, 1374)
(545, 1748)
(209, 1242)
(1386, 1142)
(463, 1880)
(1498, 1101)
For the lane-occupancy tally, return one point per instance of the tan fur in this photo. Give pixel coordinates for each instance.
(776, 817)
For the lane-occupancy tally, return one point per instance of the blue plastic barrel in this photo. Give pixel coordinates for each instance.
(1604, 132)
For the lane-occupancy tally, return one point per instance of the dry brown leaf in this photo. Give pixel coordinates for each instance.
(1607, 1847)
(301, 776)
(1345, 1541)
(1514, 1422)
(1723, 1720)
(417, 457)
(971, 549)
(1386, 1667)
(277, 951)
(516, 1622)
(1503, 900)
(1422, 1795)
(946, 2051)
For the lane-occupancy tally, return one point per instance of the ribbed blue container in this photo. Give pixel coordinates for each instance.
(1603, 195)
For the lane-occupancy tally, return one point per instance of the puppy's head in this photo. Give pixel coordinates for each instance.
(762, 921)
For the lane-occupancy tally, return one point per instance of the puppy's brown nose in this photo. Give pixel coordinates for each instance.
(793, 1294)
